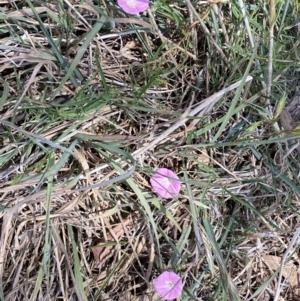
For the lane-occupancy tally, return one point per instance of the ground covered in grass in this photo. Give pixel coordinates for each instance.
(94, 100)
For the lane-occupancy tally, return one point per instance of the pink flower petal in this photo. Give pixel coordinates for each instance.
(168, 285)
(134, 6)
(165, 183)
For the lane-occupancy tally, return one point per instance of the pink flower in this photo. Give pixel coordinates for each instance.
(168, 285)
(165, 183)
(133, 6)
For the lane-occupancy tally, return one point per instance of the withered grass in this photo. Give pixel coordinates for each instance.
(94, 100)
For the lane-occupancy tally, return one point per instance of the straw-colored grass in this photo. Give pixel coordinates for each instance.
(93, 101)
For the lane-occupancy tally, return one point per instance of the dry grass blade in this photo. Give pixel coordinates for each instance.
(94, 100)
(287, 253)
(271, 47)
(206, 31)
(37, 137)
(205, 106)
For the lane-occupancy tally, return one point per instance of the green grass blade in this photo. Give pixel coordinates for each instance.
(77, 265)
(144, 203)
(81, 52)
(157, 203)
(235, 99)
(55, 49)
(45, 267)
(4, 95)
(230, 291)
(276, 172)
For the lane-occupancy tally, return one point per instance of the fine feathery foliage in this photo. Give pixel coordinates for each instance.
(97, 102)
